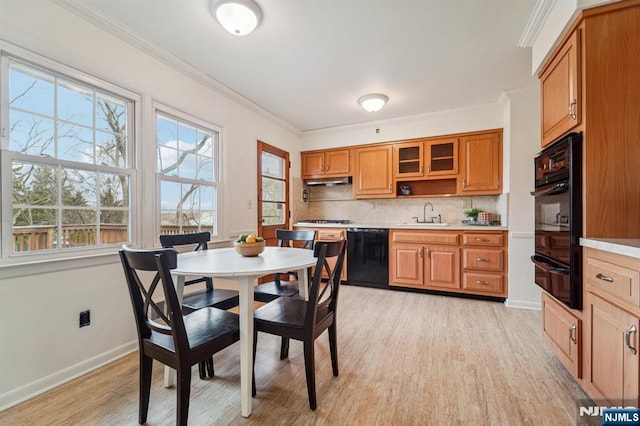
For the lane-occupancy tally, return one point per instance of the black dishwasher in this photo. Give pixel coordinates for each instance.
(368, 257)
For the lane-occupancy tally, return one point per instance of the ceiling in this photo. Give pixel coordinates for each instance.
(310, 60)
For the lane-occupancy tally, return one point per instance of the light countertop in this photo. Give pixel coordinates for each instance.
(625, 246)
(434, 227)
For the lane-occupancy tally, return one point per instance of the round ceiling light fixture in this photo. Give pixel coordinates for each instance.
(239, 17)
(373, 102)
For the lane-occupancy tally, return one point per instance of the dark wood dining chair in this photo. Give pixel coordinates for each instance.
(279, 287)
(207, 297)
(298, 319)
(173, 339)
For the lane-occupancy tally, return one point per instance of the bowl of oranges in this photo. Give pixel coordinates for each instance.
(249, 245)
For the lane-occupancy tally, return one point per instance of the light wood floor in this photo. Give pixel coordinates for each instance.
(405, 359)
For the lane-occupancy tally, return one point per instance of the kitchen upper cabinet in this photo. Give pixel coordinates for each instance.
(442, 157)
(480, 164)
(560, 86)
(373, 176)
(331, 163)
(409, 159)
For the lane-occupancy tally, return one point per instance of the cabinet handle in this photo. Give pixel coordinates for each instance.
(464, 183)
(322, 167)
(389, 187)
(604, 277)
(328, 167)
(421, 252)
(421, 168)
(482, 240)
(428, 253)
(627, 338)
(572, 331)
(572, 113)
(482, 259)
(482, 282)
(429, 169)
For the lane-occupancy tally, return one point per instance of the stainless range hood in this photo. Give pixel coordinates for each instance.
(328, 181)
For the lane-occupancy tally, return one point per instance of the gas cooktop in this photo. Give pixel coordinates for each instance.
(337, 221)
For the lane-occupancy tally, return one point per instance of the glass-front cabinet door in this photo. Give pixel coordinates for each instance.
(442, 157)
(409, 159)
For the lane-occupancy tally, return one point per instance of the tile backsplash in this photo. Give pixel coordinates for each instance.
(337, 202)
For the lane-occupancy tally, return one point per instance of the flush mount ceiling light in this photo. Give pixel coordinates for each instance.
(373, 102)
(239, 17)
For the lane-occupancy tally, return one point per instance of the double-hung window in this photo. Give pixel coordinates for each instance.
(188, 173)
(67, 168)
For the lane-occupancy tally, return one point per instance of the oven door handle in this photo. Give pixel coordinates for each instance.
(558, 188)
(547, 267)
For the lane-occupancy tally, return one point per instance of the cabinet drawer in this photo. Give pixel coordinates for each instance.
(417, 237)
(489, 240)
(330, 234)
(491, 283)
(615, 279)
(482, 259)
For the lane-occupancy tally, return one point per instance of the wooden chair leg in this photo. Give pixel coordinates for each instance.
(309, 366)
(202, 370)
(284, 348)
(183, 394)
(253, 375)
(209, 364)
(333, 348)
(146, 368)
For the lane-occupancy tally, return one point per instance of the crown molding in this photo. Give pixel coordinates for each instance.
(126, 34)
(536, 21)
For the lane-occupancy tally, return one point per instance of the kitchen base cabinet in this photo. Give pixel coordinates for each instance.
(431, 260)
(330, 234)
(562, 332)
(613, 357)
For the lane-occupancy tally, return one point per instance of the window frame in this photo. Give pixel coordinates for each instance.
(9, 53)
(182, 117)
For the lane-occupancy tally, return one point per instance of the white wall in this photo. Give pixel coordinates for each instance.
(41, 344)
(522, 129)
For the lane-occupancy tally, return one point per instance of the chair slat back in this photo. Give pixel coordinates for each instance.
(287, 237)
(142, 289)
(200, 240)
(325, 294)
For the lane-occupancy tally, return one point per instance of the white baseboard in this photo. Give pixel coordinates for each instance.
(30, 390)
(522, 304)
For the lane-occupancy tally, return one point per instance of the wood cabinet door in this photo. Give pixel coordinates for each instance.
(442, 266)
(336, 163)
(373, 175)
(560, 87)
(442, 157)
(562, 332)
(408, 159)
(612, 365)
(407, 265)
(333, 234)
(481, 164)
(312, 164)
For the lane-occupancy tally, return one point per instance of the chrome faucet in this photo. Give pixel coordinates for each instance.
(432, 219)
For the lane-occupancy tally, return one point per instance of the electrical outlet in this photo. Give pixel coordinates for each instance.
(467, 203)
(85, 318)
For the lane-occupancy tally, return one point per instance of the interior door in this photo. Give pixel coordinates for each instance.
(273, 191)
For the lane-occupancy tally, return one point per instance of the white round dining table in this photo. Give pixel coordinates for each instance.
(227, 263)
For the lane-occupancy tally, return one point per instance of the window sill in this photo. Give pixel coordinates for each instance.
(25, 265)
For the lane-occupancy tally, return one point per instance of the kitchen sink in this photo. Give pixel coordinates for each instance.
(421, 225)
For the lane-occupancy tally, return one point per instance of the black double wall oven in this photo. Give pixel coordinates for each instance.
(558, 220)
